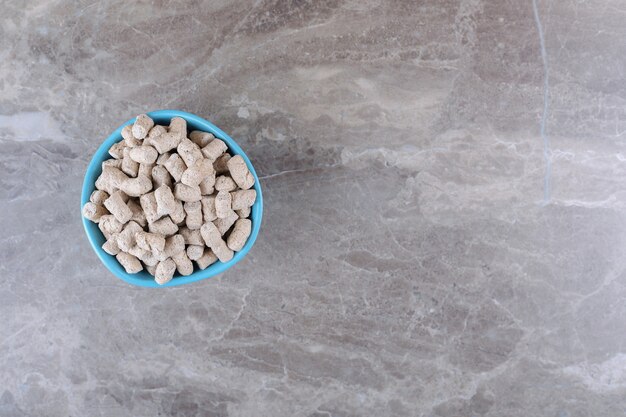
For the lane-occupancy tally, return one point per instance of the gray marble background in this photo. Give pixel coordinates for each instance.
(444, 228)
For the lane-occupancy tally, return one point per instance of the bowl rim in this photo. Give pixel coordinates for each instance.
(95, 236)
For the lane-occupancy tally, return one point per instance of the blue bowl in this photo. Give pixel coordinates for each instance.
(96, 238)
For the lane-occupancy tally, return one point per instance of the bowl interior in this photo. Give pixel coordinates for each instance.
(96, 238)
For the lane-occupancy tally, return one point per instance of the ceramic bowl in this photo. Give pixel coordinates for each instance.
(96, 238)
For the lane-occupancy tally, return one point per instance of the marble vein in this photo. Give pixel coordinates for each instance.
(547, 152)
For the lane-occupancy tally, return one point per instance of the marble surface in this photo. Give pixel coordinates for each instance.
(444, 231)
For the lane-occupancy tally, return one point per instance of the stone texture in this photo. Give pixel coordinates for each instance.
(443, 232)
